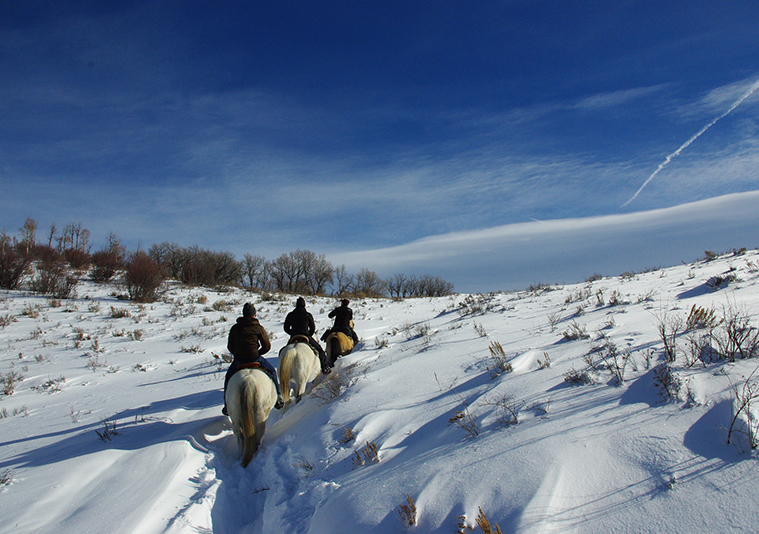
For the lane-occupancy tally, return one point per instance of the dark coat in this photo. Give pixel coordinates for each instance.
(299, 322)
(248, 340)
(343, 316)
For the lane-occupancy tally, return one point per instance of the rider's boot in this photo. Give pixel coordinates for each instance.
(323, 360)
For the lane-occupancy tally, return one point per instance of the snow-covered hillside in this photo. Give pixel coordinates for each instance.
(111, 421)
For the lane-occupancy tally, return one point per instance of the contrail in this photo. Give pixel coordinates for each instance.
(689, 141)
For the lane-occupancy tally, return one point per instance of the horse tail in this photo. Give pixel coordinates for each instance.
(285, 369)
(249, 424)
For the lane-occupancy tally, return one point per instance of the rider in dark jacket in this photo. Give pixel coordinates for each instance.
(300, 322)
(247, 342)
(343, 316)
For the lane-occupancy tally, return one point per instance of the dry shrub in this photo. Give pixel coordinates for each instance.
(498, 357)
(407, 512)
(10, 381)
(700, 318)
(743, 420)
(575, 377)
(737, 337)
(484, 524)
(336, 383)
(669, 329)
(346, 434)
(667, 382)
(467, 421)
(371, 453)
(575, 331)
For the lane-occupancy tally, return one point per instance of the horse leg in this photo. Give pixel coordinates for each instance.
(331, 352)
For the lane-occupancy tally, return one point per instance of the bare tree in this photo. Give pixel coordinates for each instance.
(301, 271)
(433, 286)
(286, 273)
(264, 279)
(51, 235)
(396, 285)
(368, 284)
(171, 258)
(321, 275)
(252, 267)
(28, 235)
(74, 243)
(343, 281)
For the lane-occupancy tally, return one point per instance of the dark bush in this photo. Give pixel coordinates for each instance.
(77, 258)
(108, 261)
(13, 265)
(105, 265)
(143, 277)
(53, 279)
(46, 254)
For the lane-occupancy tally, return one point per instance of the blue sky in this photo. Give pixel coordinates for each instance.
(348, 128)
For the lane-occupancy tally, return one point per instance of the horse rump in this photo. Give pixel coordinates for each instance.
(250, 398)
(298, 363)
(338, 344)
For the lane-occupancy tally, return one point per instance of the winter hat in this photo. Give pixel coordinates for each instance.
(344, 302)
(248, 310)
(300, 303)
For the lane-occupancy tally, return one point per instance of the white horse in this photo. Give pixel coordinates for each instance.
(297, 363)
(250, 397)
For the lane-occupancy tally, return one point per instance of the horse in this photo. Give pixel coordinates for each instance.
(338, 344)
(250, 397)
(297, 363)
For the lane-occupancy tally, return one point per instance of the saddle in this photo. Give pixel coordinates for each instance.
(251, 365)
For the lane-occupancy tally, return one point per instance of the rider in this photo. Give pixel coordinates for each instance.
(343, 316)
(248, 342)
(299, 322)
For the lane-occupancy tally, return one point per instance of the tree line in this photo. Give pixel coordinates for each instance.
(298, 272)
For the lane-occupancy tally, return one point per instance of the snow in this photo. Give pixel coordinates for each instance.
(116, 426)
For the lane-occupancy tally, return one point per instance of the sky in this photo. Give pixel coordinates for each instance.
(359, 129)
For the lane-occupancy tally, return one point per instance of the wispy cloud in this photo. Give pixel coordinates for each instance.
(617, 98)
(568, 250)
(716, 100)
